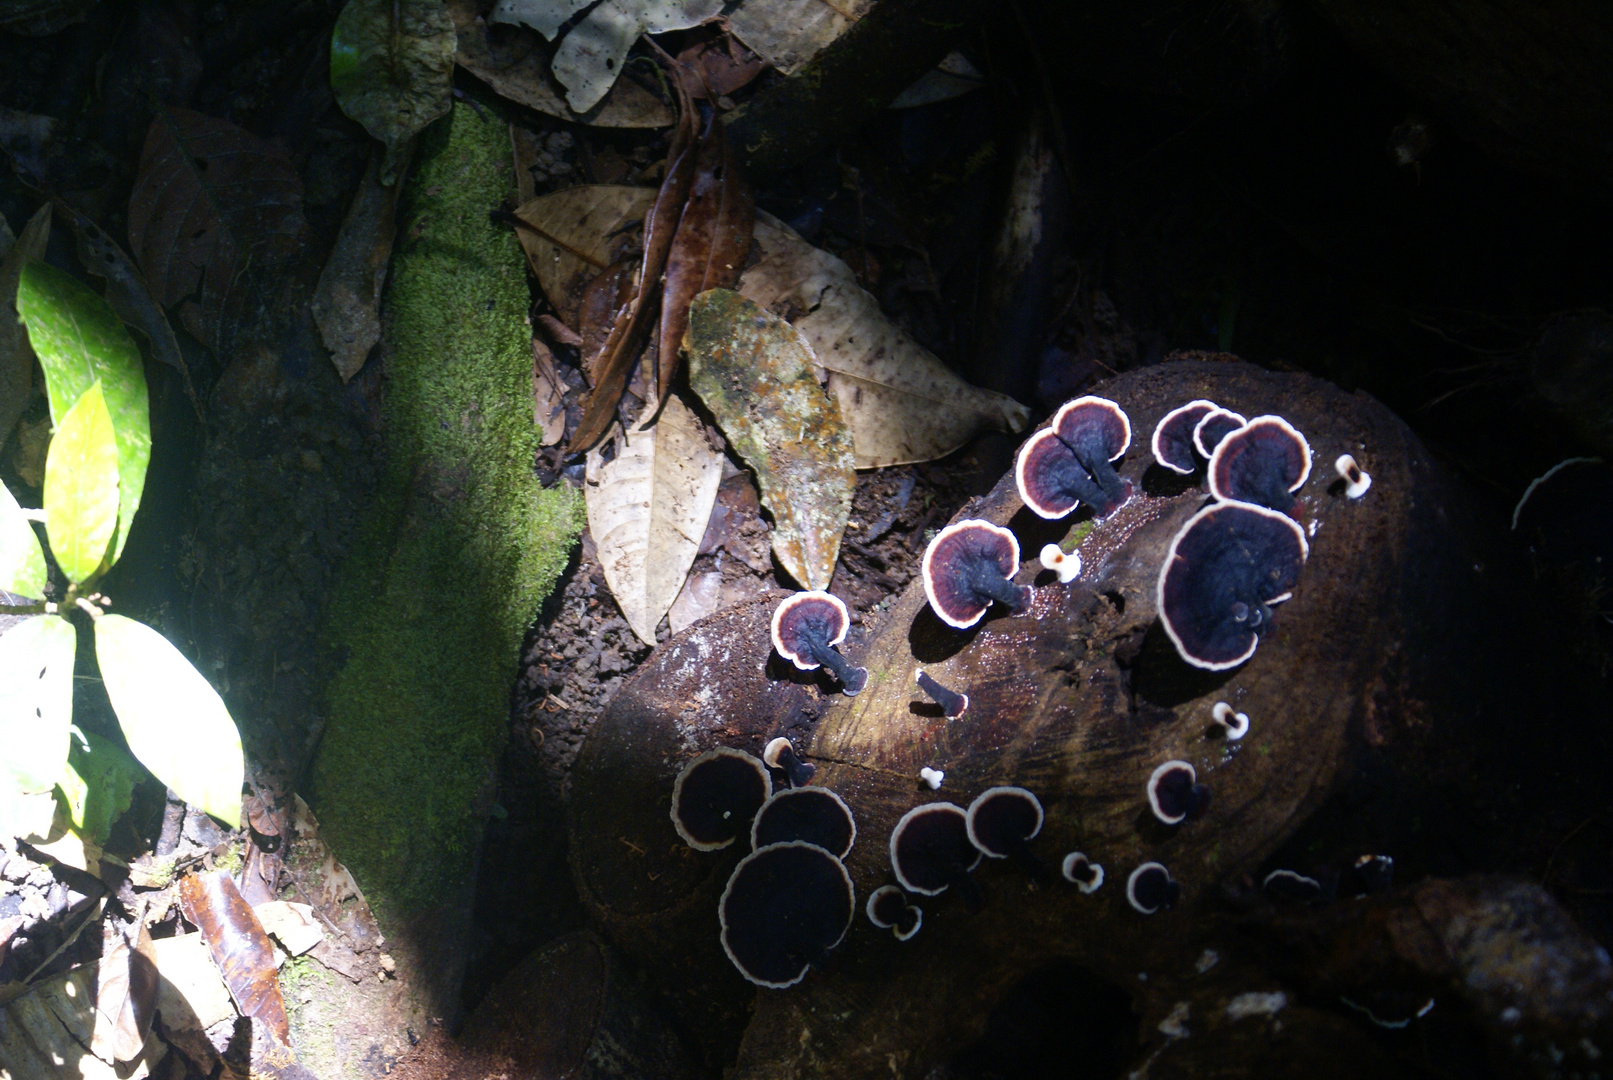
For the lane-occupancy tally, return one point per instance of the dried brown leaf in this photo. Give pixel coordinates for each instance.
(125, 995)
(239, 947)
(790, 32)
(548, 395)
(347, 301)
(215, 213)
(573, 234)
(603, 303)
(756, 375)
(712, 241)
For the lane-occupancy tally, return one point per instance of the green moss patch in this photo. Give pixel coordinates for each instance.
(459, 549)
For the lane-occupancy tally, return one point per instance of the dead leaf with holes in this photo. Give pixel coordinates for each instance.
(757, 376)
(647, 510)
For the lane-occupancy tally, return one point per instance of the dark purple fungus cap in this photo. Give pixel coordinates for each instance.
(1085, 874)
(1230, 562)
(1068, 462)
(1002, 821)
(1373, 873)
(779, 754)
(1264, 462)
(1357, 481)
(716, 795)
(814, 814)
(885, 905)
(1173, 436)
(1289, 885)
(1150, 888)
(930, 850)
(1174, 793)
(806, 628)
(967, 566)
(1214, 426)
(908, 922)
(952, 703)
(784, 908)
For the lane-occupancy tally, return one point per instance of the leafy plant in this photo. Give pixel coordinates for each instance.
(174, 721)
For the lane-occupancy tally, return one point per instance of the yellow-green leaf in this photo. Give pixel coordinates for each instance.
(756, 375)
(36, 700)
(81, 486)
(173, 719)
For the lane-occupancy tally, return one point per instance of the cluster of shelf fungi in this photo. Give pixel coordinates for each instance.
(790, 901)
(1177, 640)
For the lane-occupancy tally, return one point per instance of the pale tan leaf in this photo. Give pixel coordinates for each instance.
(548, 395)
(43, 1033)
(573, 234)
(292, 925)
(125, 996)
(900, 402)
(190, 985)
(701, 596)
(789, 32)
(647, 510)
(756, 375)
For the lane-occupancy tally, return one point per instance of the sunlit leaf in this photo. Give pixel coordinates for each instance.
(81, 486)
(756, 375)
(647, 510)
(79, 340)
(240, 948)
(125, 995)
(98, 785)
(392, 68)
(173, 719)
(36, 702)
(22, 560)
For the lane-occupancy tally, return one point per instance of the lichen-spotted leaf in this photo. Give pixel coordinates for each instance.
(756, 375)
(81, 486)
(173, 719)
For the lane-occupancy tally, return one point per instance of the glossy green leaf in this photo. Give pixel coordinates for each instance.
(36, 700)
(173, 719)
(22, 560)
(81, 486)
(392, 68)
(79, 339)
(99, 785)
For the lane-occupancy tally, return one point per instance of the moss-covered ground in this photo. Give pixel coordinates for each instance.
(459, 549)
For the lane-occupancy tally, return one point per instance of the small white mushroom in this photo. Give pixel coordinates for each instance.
(1067, 567)
(932, 777)
(1235, 723)
(1356, 479)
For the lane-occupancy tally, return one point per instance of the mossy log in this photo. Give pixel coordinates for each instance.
(1077, 699)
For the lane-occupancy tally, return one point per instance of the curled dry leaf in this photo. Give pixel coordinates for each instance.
(239, 946)
(788, 33)
(514, 61)
(548, 395)
(756, 375)
(125, 995)
(215, 213)
(647, 510)
(901, 403)
(347, 301)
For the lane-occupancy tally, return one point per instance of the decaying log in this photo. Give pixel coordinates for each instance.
(1077, 699)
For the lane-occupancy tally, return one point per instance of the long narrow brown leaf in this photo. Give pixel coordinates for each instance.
(125, 995)
(713, 239)
(240, 948)
(632, 326)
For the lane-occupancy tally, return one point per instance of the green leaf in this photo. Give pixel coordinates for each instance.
(22, 560)
(36, 700)
(99, 785)
(81, 486)
(79, 339)
(174, 720)
(392, 68)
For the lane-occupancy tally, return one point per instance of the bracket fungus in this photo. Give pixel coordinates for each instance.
(931, 851)
(786, 906)
(1214, 426)
(813, 814)
(806, 628)
(1151, 887)
(1002, 821)
(780, 754)
(716, 795)
(1224, 570)
(1356, 479)
(931, 778)
(1069, 462)
(967, 566)
(1173, 443)
(1067, 565)
(1235, 724)
(1264, 462)
(1082, 872)
(952, 703)
(1174, 793)
(1292, 885)
(888, 909)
